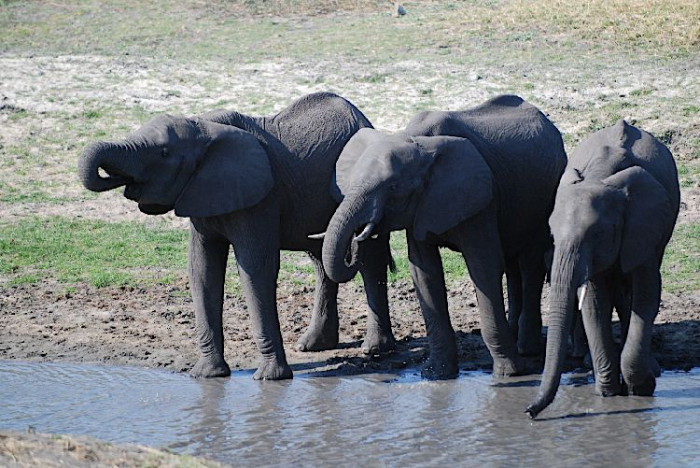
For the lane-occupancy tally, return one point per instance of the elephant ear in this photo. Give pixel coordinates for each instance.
(352, 151)
(647, 216)
(570, 176)
(233, 173)
(460, 185)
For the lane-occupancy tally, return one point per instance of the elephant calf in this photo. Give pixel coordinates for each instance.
(480, 181)
(261, 185)
(615, 210)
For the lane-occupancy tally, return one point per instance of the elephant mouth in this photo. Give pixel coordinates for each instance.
(154, 209)
(132, 192)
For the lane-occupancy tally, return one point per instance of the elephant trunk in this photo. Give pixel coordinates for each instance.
(341, 245)
(118, 161)
(565, 279)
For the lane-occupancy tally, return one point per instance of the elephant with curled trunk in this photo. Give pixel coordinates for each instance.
(615, 210)
(261, 185)
(479, 181)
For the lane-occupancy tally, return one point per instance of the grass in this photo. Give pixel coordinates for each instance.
(225, 29)
(577, 60)
(94, 252)
(128, 253)
(116, 254)
(682, 260)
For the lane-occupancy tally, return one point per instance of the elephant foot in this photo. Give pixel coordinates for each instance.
(439, 370)
(318, 339)
(608, 389)
(378, 342)
(271, 369)
(643, 387)
(504, 367)
(209, 367)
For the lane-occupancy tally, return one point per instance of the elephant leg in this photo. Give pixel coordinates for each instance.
(597, 321)
(636, 361)
(429, 281)
(481, 249)
(375, 258)
(622, 299)
(208, 254)
(322, 333)
(255, 238)
(515, 296)
(532, 273)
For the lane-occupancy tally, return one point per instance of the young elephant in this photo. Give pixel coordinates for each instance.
(615, 210)
(261, 185)
(479, 181)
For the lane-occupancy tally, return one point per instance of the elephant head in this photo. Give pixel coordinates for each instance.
(386, 183)
(601, 219)
(197, 167)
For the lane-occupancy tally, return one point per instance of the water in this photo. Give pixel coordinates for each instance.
(357, 421)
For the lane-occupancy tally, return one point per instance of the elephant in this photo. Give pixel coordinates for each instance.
(614, 213)
(479, 181)
(259, 184)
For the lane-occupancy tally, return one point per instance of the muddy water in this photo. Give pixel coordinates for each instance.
(387, 420)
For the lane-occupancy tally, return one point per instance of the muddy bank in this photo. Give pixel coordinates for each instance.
(30, 449)
(154, 327)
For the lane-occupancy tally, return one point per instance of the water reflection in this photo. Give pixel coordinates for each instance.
(360, 420)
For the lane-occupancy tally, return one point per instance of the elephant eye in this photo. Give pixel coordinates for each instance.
(164, 152)
(393, 187)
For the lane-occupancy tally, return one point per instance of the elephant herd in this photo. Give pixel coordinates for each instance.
(492, 182)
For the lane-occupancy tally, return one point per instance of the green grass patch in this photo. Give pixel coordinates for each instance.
(682, 260)
(452, 262)
(95, 252)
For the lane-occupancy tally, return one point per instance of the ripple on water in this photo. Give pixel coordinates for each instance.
(349, 421)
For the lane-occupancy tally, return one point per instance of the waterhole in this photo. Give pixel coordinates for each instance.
(390, 420)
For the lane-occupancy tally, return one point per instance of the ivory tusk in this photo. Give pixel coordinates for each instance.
(365, 232)
(318, 236)
(581, 294)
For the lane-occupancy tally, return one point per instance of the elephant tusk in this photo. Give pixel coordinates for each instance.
(318, 236)
(374, 236)
(365, 232)
(581, 294)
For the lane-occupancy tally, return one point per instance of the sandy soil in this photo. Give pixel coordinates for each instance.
(31, 449)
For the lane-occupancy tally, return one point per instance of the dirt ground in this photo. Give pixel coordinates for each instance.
(154, 327)
(31, 449)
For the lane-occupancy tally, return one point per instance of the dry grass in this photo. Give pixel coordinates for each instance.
(650, 22)
(671, 23)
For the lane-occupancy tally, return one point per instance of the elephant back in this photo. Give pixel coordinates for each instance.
(317, 126)
(524, 151)
(640, 148)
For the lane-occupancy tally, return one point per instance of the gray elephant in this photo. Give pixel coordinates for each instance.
(479, 181)
(615, 210)
(261, 185)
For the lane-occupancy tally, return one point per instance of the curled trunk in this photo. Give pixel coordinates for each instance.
(341, 245)
(118, 161)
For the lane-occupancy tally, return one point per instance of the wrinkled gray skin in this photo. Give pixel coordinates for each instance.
(261, 185)
(480, 181)
(615, 210)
